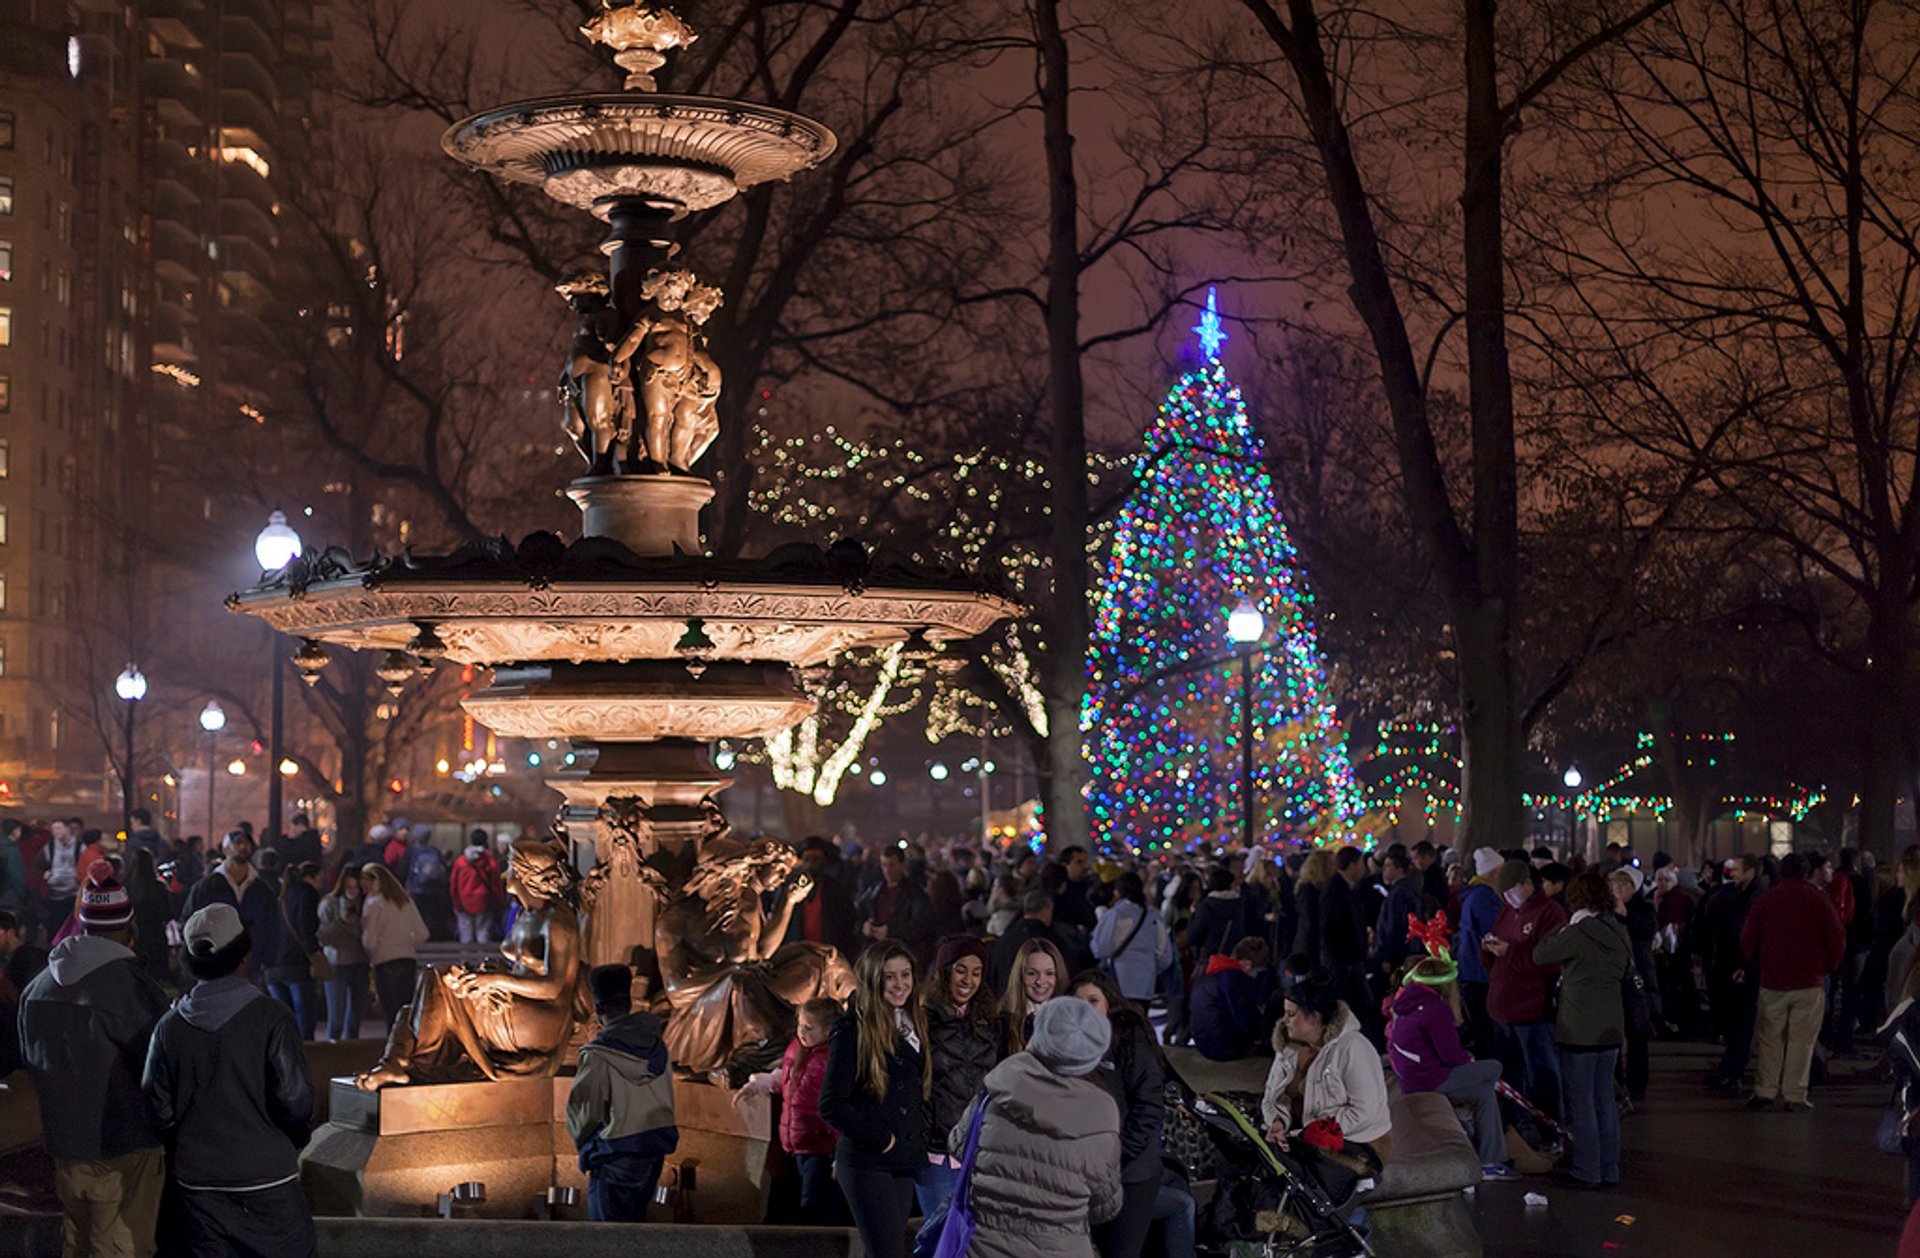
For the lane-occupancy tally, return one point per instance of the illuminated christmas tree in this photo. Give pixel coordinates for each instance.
(1199, 537)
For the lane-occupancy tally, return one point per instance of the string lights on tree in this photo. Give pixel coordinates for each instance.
(1200, 535)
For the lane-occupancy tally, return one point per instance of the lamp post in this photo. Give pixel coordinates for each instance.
(213, 719)
(131, 686)
(276, 547)
(1245, 626)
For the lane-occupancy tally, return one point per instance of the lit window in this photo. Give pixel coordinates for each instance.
(6, 128)
(6, 260)
(6, 194)
(3, 591)
(6, 458)
(3, 526)
(6, 325)
(6, 393)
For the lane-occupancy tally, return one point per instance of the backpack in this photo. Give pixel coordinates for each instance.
(427, 872)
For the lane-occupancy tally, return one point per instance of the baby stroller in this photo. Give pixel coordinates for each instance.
(1266, 1203)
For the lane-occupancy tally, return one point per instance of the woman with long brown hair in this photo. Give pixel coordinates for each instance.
(392, 931)
(1135, 1076)
(1038, 974)
(967, 1039)
(339, 933)
(879, 1076)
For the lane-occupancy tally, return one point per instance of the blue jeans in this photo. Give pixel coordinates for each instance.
(821, 1204)
(300, 997)
(1532, 1062)
(620, 1189)
(1174, 1209)
(933, 1185)
(1592, 1114)
(346, 1001)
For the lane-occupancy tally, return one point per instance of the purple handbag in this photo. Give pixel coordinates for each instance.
(956, 1227)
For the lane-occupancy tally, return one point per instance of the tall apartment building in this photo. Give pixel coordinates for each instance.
(138, 145)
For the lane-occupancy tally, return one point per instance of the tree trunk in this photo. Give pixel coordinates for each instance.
(1491, 747)
(1883, 755)
(1064, 668)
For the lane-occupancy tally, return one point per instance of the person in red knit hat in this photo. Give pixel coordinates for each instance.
(1794, 939)
(84, 1026)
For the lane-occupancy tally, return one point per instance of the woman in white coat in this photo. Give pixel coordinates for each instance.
(391, 930)
(1324, 1068)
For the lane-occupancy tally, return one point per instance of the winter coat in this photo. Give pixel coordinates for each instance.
(1218, 923)
(1423, 1041)
(229, 1088)
(1479, 909)
(1048, 1167)
(1148, 953)
(1793, 936)
(338, 930)
(866, 1122)
(1138, 1086)
(1520, 985)
(1309, 935)
(963, 1053)
(390, 932)
(830, 910)
(1724, 914)
(15, 890)
(802, 1073)
(476, 883)
(1344, 1083)
(1594, 954)
(1223, 1012)
(1343, 927)
(621, 1101)
(300, 907)
(909, 916)
(84, 1025)
(258, 906)
(426, 872)
(1392, 946)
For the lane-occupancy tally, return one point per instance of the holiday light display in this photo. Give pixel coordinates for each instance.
(1200, 534)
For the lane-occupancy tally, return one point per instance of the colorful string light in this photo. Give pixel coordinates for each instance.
(1200, 533)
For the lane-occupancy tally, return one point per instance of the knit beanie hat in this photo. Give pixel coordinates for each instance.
(1485, 861)
(953, 947)
(104, 902)
(1510, 875)
(1070, 1036)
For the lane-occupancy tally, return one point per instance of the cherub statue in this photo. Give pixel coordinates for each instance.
(731, 981)
(466, 1022)
(592, 412)
(664, 366)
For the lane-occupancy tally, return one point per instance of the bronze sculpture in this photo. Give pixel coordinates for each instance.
(592, 415)
(730, 980)
(499, 1024)
(666, 384)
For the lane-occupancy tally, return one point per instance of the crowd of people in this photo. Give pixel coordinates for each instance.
(1015, 1005)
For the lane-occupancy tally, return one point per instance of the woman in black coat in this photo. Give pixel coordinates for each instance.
(1135, 1074)
(968, 1039)
(879, 1075)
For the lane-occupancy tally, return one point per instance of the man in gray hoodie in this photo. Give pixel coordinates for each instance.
(229, 1089)
(84, 1024)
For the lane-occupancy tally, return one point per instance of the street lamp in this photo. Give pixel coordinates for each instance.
(131, 686)
(1572, 777)
(213, 719)
(1245, 626)
(276, 547)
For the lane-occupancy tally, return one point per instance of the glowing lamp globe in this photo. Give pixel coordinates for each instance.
(1572, 777)
(213, 717)
(278, 545)
(1245, 623)
(131, 685)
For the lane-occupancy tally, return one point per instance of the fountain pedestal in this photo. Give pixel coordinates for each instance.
(389, 1154)
(652, 515)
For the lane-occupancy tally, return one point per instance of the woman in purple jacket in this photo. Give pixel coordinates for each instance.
(1423, 1043)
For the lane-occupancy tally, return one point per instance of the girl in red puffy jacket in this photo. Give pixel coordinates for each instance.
(803, 1133)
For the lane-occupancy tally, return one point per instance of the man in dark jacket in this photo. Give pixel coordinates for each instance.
(896, 908)
(229, 1089)
(1036, 924)
(1072, 908)
(1344, 918)
(1224, 1010)
(620, 1107)
(1404, 899)
(1793, 940)
(1733, 986)
(302, 845)
(826, 916)
(237, 884)
(144, 835)
(1220, 918)
(84, 1025)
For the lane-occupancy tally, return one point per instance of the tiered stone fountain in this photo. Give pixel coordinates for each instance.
(630, 641)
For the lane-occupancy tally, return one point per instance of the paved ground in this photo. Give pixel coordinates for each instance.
(1700, 1178)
